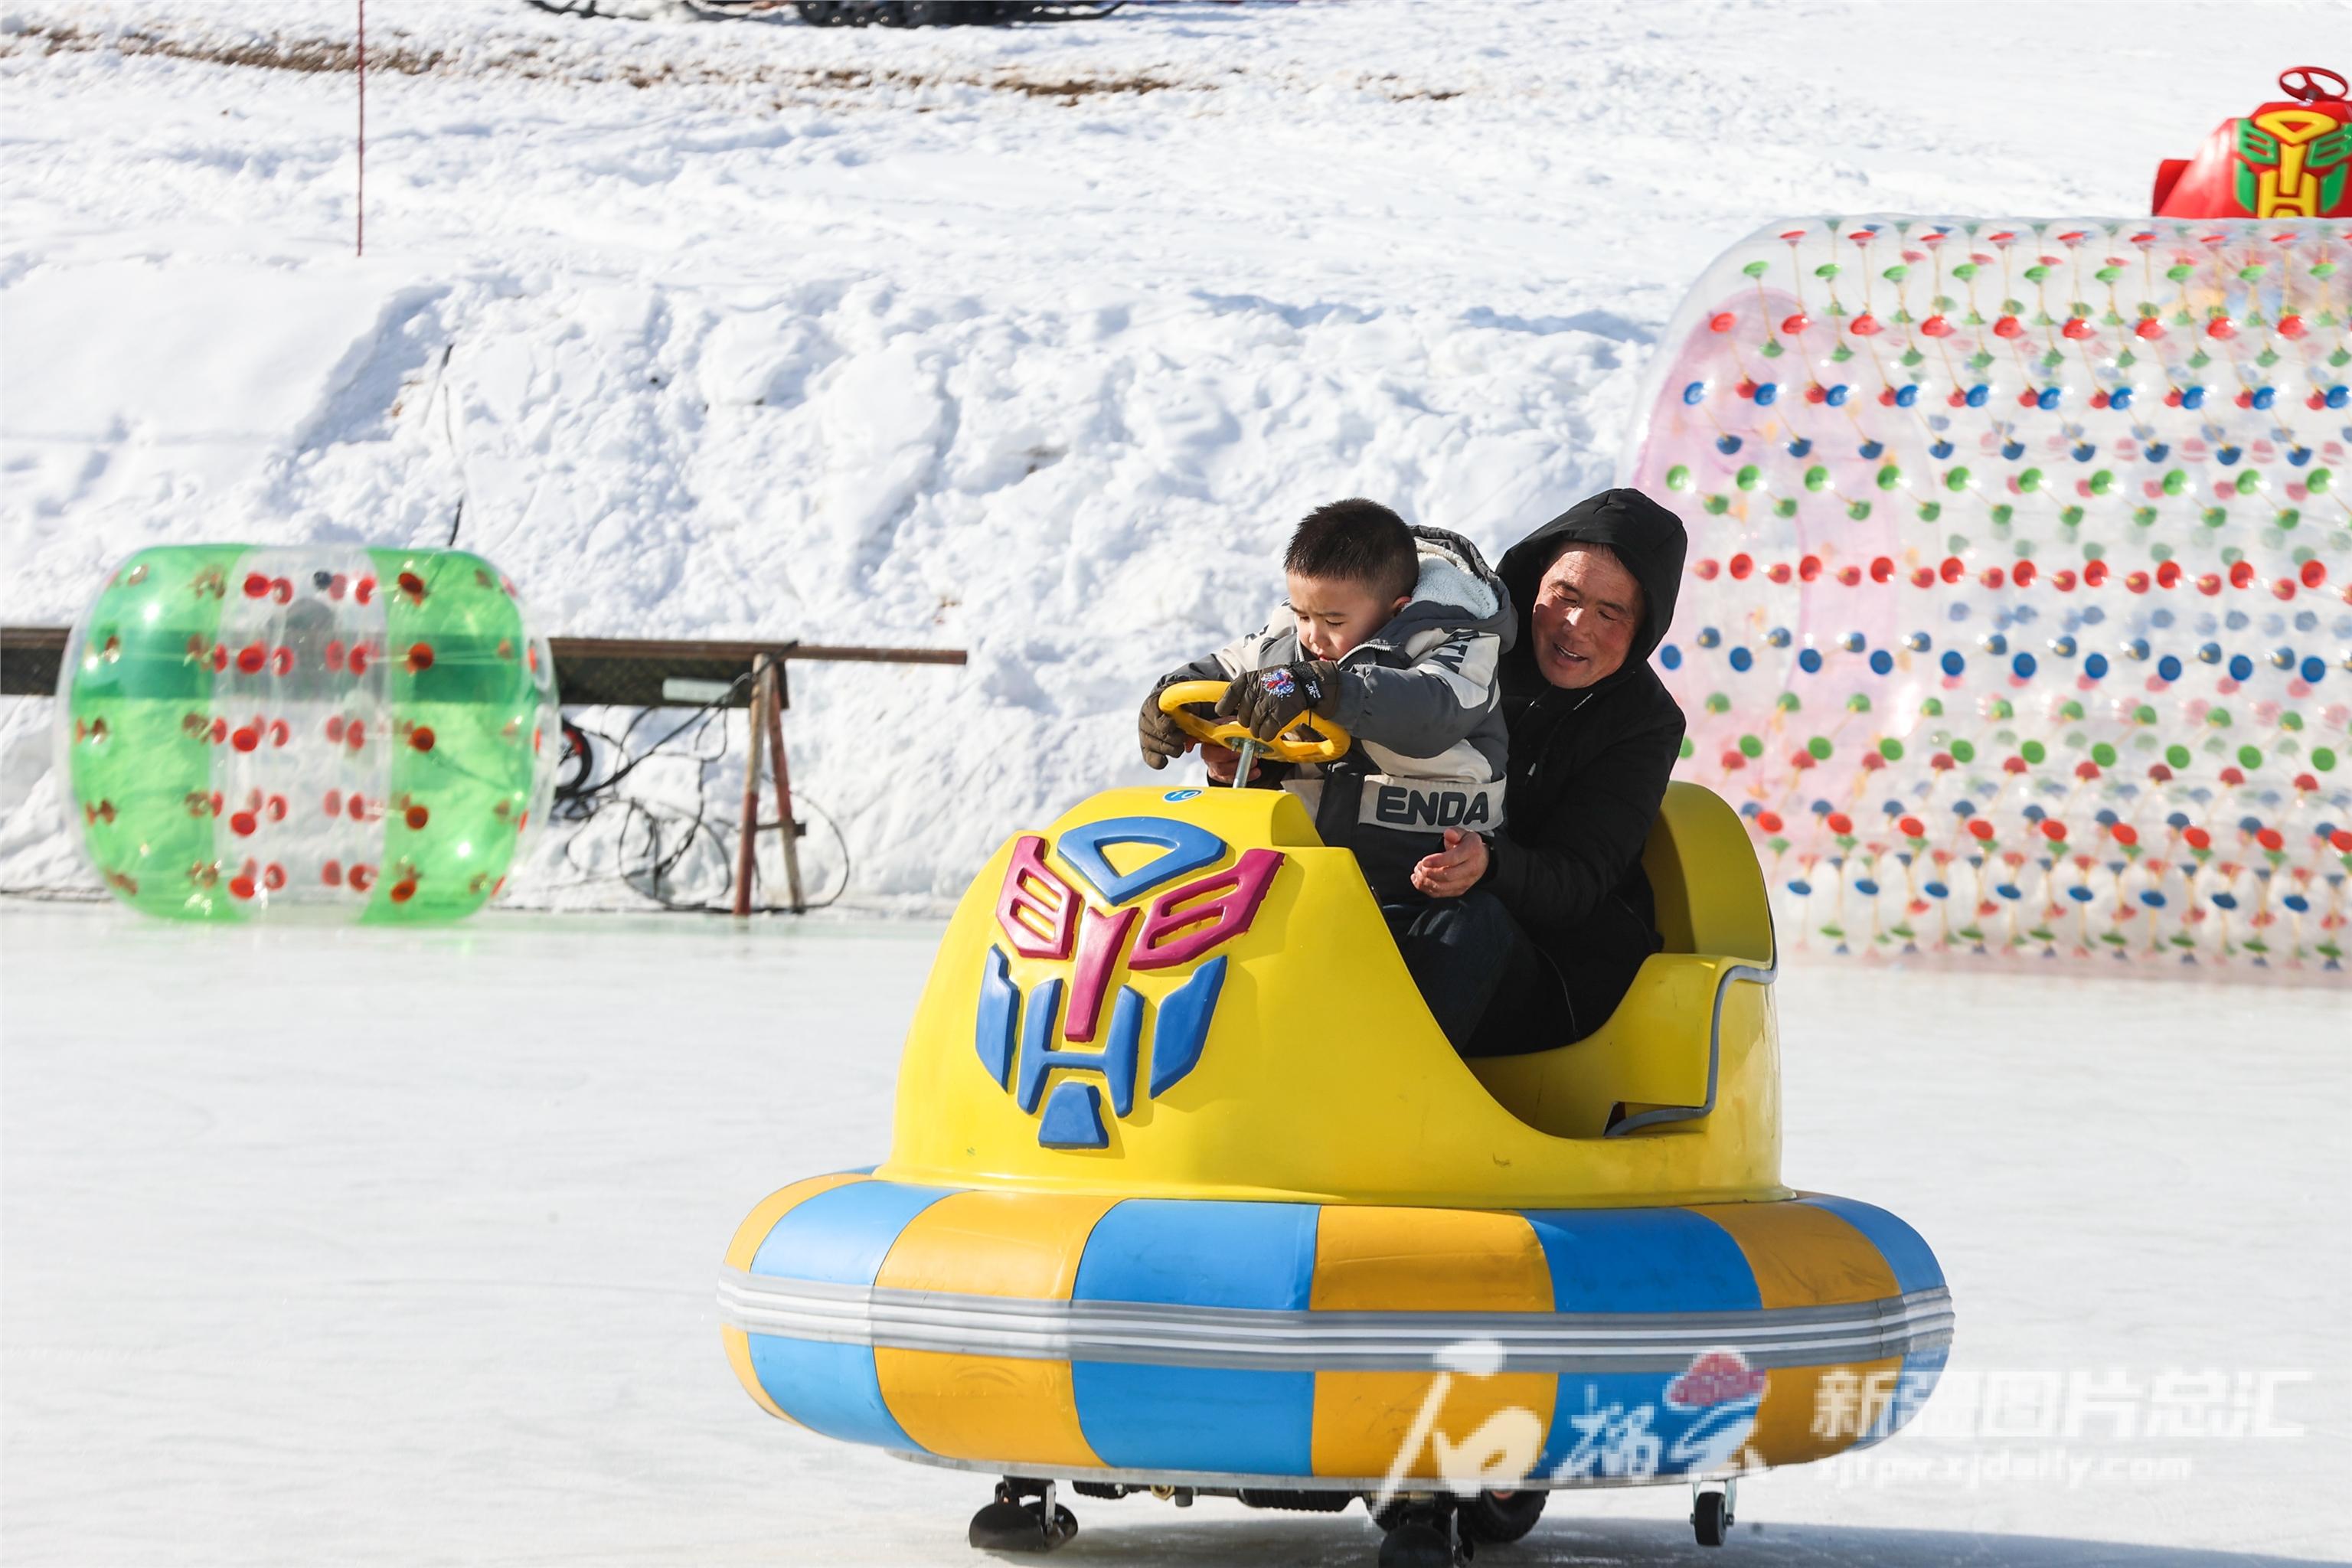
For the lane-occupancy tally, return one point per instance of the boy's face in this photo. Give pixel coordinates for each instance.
(1335, 614)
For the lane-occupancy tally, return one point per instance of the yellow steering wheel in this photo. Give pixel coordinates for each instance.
(1323, 742)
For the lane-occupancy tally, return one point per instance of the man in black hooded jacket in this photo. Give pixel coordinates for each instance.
(1556, 913)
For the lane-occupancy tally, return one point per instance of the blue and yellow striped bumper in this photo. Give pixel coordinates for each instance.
(1293, 1344)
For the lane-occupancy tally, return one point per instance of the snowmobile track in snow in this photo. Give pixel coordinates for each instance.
(526, 61)
(315, 55)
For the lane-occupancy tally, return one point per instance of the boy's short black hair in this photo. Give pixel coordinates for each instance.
(1355, 540)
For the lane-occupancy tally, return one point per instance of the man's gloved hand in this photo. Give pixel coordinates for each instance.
(1163, 739)
(1270, 701)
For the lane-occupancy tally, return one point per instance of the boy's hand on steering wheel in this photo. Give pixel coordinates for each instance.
(1163, 739)
(1454, 870)
(1269, 701)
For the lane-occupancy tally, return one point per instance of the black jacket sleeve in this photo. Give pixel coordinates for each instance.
(1593, 831)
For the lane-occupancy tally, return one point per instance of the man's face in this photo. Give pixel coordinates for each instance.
(1587, 609)
(1334, 616)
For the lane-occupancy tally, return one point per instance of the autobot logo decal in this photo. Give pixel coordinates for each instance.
(1022, 1039)
(2293, 162)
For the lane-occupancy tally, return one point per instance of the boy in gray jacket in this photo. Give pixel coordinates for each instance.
(1395, 633)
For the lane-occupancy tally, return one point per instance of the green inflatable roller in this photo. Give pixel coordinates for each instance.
(361, 734)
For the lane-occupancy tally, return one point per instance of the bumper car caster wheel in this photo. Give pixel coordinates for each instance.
(1009, 1524)
(1424, 1535)
(1711, 1516)
(1499, 1517)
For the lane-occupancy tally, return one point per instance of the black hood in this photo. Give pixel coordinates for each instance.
(1645, 535)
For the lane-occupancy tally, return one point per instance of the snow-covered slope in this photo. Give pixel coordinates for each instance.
(1032, 341)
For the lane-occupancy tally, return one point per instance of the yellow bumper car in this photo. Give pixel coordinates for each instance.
(1166, 1210)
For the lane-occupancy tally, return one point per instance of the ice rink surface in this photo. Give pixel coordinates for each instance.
(342, 1246)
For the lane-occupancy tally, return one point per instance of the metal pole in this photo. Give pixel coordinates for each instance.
(747, 838)
(363, 73)
(790, 829)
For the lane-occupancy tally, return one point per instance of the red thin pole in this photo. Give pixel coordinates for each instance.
(363, 68)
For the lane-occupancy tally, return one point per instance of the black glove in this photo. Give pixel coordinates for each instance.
(1269, 701)
(1163, 739)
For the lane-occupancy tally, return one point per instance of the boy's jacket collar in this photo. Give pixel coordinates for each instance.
(1456, 590)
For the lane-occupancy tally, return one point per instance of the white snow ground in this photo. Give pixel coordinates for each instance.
(387, 1247)
(1030, 341)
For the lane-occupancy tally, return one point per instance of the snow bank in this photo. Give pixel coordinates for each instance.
(1032, 341)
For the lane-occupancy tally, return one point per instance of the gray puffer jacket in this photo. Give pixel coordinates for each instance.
(1418, 696)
